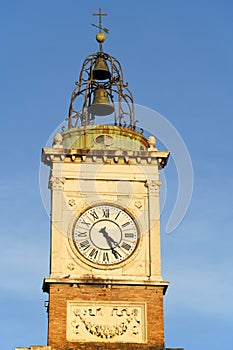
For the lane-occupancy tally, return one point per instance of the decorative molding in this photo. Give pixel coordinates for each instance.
(111, 321)
(151, 156)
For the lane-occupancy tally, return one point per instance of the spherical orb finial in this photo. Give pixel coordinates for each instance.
(57, 140)
(100, 37)
(152, 141)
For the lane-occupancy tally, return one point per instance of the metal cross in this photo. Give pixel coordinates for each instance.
(100, 14)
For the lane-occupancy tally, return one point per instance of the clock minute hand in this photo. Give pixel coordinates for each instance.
(115, 253)
(109, 239)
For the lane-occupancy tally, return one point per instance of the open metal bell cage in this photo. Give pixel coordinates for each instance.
(100, 91)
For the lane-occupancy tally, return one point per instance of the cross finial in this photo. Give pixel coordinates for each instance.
(100, 14)
(100, 37)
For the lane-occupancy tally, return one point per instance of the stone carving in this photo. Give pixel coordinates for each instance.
(154, 186)
(70, 266)
(138, 204)
(105, 331)
(57, 141)
(71, 202)
(106, 321)
(56, 183)
(152, 142)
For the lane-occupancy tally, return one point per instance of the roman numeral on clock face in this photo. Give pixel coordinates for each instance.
(93, 253)
(105, 257)
(116, 254)
(117, 215)
(126, 246)
(83, 221)
(94, 215)
(82, 234)
(129, 235)
(85, 244)
(125, 224)
(105, 213)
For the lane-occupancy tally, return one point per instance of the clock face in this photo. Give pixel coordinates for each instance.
(105, 234)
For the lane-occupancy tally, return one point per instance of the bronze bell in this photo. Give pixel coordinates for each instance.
(101, 105)
(101, 71)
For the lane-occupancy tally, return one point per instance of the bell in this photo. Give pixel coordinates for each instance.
(101, 105)
(101, 71)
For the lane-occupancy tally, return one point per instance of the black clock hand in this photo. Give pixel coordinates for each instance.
(115, 253)
(109, 239)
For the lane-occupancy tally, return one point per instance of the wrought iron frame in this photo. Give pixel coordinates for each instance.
(115, 86)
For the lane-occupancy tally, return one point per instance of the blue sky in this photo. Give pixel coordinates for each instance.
(177, 57)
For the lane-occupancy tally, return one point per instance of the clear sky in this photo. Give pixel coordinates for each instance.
(177, 56)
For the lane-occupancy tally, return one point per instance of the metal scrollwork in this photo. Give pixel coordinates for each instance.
(116, 88)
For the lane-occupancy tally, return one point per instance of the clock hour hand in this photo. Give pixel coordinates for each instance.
(109, 239)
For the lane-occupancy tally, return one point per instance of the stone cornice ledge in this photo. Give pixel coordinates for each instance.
(50, 155)
(104, 282)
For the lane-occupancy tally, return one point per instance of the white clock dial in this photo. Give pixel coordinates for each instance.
(105, 234)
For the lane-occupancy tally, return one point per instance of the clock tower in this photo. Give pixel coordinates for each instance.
(105, 285)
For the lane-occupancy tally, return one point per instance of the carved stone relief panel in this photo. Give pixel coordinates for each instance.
(123, 322)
